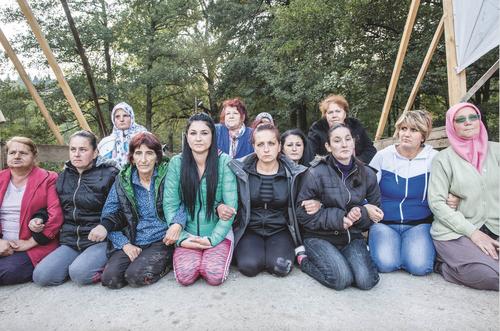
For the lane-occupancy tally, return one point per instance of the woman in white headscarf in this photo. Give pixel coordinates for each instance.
(115, 146)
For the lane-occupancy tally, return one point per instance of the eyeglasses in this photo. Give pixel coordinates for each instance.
(471, 118)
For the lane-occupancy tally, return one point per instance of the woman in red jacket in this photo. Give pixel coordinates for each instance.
(24, 190)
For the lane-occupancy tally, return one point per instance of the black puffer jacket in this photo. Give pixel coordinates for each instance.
(324, 182)
(318, 136)
(293, 173)
(82, 198)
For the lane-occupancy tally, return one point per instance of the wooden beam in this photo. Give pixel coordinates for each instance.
(410, 21)
(457, 85)
(480, 82)
(32, 90)
(425, 64)
(35, 27)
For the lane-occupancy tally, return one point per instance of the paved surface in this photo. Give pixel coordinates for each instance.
(297, 302)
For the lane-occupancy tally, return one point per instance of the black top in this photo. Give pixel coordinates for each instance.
(269, 201)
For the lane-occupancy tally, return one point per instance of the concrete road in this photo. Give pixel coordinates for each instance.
(297, 302)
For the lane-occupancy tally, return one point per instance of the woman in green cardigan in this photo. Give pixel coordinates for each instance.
(200, 181)
(466, 237)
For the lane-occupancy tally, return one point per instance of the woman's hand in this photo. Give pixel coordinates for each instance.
(374, 213)
(195, 242)
(347, 222)
(132, 251)
(225, 212)
(173, 234)
(311, 206)
(488, 245)
(22, 245)
(99, 233)
(5, 248)
(36, 225)
(452, 201)
(354, 214)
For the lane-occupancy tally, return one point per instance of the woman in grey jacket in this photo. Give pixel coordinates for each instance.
(265, 230)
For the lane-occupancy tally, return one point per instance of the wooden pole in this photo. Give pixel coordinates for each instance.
(34, 94)
(410, 21)
(480, 82)
(35, 27)
(457, 85)
(425, 64)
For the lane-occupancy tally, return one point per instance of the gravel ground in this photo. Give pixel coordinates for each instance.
(399, 301)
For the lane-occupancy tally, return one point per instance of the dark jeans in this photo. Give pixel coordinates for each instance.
(256, 253)
(154, 262)
(15, 269)
(340, 267)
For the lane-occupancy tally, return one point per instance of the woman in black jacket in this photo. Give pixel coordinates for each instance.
(335, 110)
(82, 188)
(336, 253)
(265, 230)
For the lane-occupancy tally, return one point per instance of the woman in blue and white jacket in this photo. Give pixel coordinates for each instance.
(402, 240)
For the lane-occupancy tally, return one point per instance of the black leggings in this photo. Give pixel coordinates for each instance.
(152, 264)
(255, 253)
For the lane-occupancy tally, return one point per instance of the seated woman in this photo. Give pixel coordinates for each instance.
(116, 145)
(466, 238)
(266, 230)
(82, 188)
(200, 180)
(293, 144)
(336, 254)
(334, 110)
(233, 136)
(402, 239)
(24, 190)
(134, 221)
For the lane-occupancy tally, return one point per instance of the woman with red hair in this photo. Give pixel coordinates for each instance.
(233, 136)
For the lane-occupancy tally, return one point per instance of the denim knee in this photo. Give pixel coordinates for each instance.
(45, 277)
(340, 280)
(367, 281)
(419, 269)
(81, 275)
(384, 245)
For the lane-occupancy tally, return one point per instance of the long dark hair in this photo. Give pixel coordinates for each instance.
(190, 180)
(360, 175)
(298, 133)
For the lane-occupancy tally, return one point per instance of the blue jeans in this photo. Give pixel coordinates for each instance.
(399, 246)
(341, 267)
(82, 267)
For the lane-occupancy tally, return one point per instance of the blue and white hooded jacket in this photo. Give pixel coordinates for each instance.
(403, 184)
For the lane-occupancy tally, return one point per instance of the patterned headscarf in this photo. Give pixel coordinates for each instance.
(122, 138)
(472, 150)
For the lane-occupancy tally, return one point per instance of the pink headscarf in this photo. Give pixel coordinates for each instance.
(472, 150)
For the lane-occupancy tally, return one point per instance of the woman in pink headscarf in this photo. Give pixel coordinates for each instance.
(466, 237)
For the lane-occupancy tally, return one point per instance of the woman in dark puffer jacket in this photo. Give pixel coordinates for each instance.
(82, 188)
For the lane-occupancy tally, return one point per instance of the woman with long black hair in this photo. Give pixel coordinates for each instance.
(200, 181)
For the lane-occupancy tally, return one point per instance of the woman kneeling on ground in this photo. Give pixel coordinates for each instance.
(133, 216)
(266, 230)
(82, 188)
(200, 180)
(336, 253)
(466, 237)
(24, 190)
(402, 239)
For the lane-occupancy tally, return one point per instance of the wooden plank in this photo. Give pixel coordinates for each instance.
(410, 21)
(425, 64)
(3, 156)
(37, 31)
(31, 88)
(480, 82)
(457, 85)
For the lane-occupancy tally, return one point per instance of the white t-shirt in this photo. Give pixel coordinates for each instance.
(10, 212)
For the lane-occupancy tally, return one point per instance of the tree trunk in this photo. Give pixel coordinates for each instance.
(302, 117)
(86, 68)
(107, 58)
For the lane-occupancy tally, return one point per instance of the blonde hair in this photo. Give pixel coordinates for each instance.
(333, 98)
(419, 119)
(25, 141)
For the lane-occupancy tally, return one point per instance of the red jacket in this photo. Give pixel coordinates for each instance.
(40, 193)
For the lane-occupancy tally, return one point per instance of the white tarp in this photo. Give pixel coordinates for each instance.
(476, 29)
